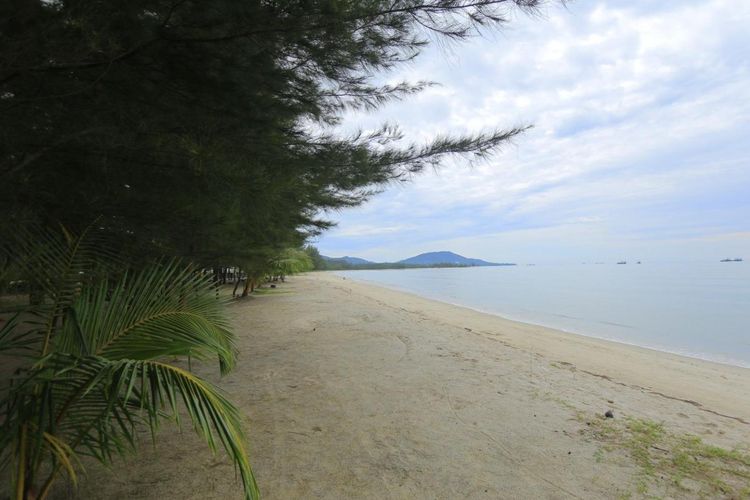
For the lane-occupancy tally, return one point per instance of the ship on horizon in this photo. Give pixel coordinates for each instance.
(731, 260)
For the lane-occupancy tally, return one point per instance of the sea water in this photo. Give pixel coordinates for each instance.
(700, 310)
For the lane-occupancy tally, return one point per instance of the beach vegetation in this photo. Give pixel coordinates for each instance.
(291, 261)
(212, 132)
(97, 358)
(671, 463)
(268, 266)
(203, 132)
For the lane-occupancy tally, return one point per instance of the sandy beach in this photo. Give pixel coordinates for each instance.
(356, 391)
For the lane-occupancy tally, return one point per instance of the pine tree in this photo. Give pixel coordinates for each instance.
(208, 130)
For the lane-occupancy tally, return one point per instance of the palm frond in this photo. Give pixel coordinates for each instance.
(16, 340)
(165, 310)
(59, 262)
(97, 404)
(96, 336)
(64, 455)
(58, 265)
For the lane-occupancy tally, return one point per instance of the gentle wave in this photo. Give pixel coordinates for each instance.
(696, 310)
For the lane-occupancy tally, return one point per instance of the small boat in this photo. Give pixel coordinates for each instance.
(622, 262)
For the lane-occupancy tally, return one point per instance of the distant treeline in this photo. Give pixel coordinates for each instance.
(333, 265)
(322, 264)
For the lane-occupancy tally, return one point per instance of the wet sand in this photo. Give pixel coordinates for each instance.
(356, 391)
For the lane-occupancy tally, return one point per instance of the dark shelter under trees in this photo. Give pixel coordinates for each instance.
(205, 131)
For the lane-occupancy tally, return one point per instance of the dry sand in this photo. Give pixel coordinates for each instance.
(356, 391)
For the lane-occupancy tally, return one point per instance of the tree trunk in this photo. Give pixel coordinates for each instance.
(216, 281)
(236, 285)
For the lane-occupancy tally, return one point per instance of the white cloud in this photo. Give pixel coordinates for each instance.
(355, 231)
(641, 113)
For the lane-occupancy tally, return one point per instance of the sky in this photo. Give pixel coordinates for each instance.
(640, 146)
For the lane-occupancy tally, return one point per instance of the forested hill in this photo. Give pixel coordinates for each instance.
(429, 259)
(432, 258)
(352, 261)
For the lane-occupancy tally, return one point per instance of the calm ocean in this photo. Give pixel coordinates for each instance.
(699, 310)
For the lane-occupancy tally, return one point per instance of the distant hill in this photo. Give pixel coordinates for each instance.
(446, 258)
(430, 259)
(352, 261)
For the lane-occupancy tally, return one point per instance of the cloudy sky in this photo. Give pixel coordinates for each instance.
(640, 147)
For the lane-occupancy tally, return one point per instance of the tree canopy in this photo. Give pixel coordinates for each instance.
(208, 130)
(201, 130)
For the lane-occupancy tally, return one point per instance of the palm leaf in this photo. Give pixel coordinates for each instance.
(63, 454)
(98, 404)
(96, 377)
(165, 310)
(58, 264)
(16, 340)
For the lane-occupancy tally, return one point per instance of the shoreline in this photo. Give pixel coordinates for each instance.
(350, 390)
(716, 387)
(690, 355)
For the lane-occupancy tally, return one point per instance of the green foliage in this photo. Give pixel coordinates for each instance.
(318, 262)
(91, 366)
(291, 261)
(198, 130)
(686, 463)
(209, 131)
